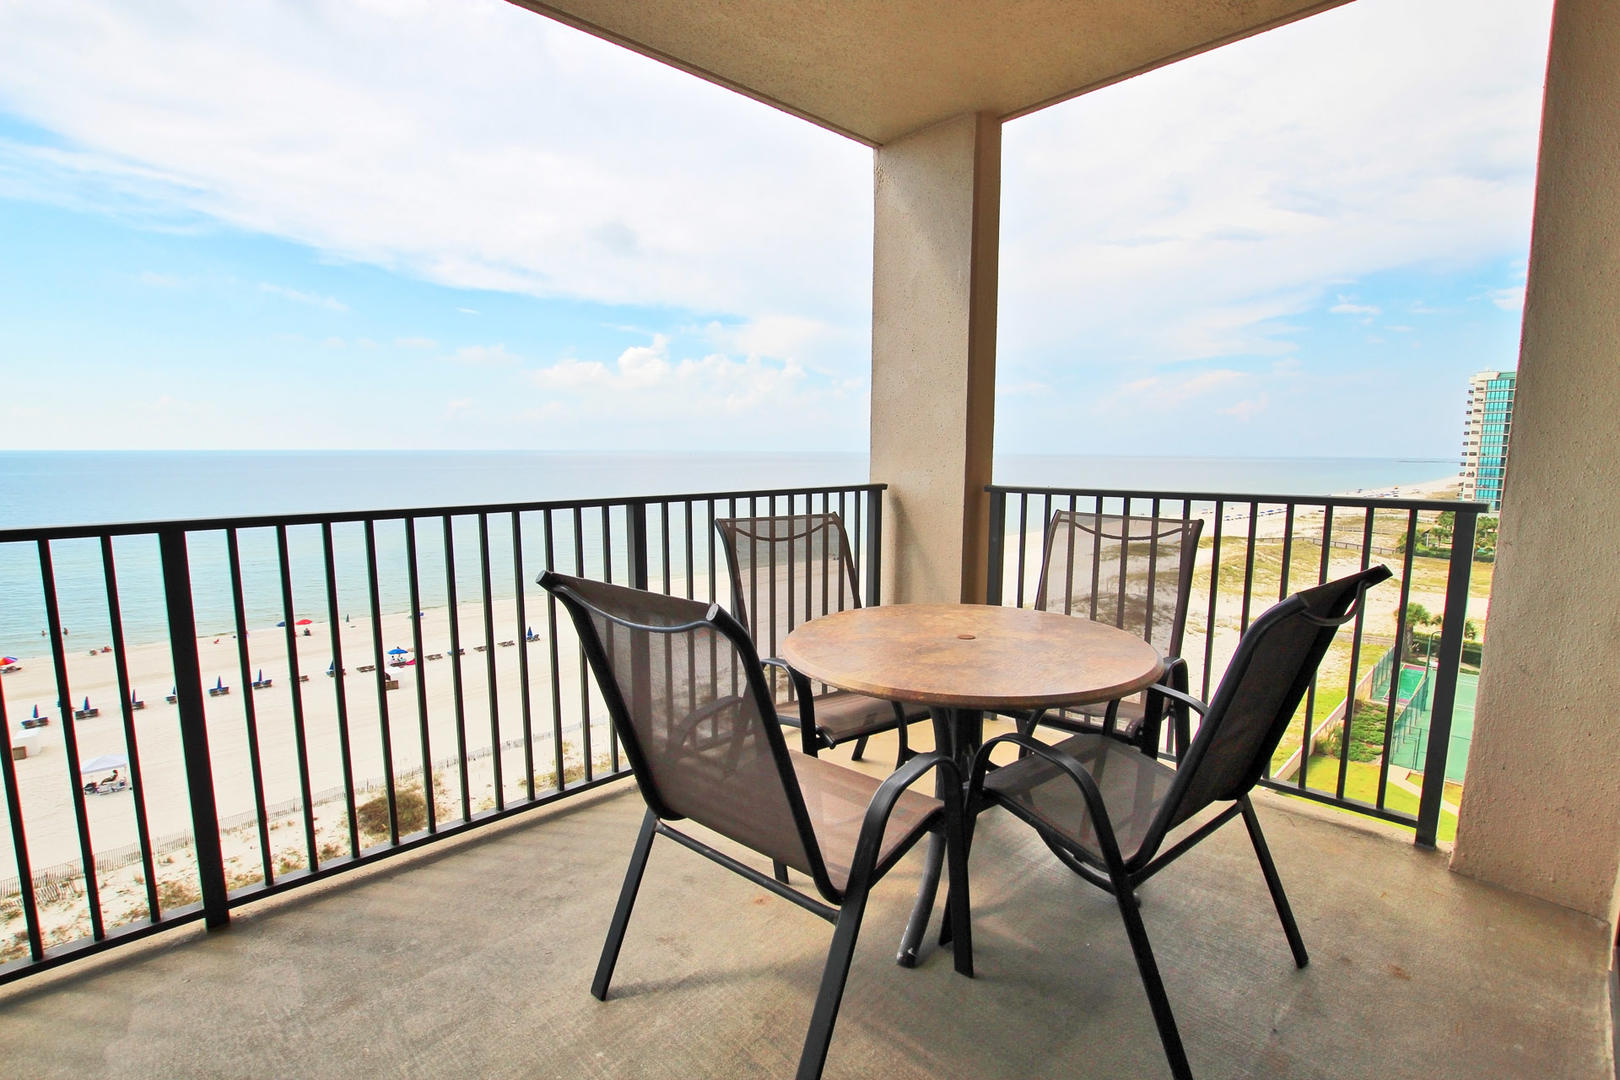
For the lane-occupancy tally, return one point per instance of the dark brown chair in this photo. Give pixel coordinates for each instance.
(688, 699)
(1111, 808)
(1134, 573)
(787, 570)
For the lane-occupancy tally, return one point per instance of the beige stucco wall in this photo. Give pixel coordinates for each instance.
(937, 200)
(1541, 812)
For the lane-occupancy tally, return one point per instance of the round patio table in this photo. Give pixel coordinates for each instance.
(963, 660)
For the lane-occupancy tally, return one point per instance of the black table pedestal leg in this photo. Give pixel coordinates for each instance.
(958, 732)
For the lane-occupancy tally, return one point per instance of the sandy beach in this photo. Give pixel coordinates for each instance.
(46, 779)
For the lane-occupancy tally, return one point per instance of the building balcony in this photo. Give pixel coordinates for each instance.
(352, 939)
(475, 958)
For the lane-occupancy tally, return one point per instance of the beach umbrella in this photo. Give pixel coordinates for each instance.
(87, 703)
(8, 659)
(104, 763)
(303, 622)
(36, 712)
(219, 683)
(261, 674)
(283, 622)
(331, 667)
(134, 696)
(396, 651)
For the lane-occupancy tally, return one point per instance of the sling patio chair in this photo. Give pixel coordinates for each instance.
(1135, 573)
(1110, 808)
(688, 699)
(787, 570)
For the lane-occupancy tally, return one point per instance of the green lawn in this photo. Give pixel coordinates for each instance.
(1361, 783)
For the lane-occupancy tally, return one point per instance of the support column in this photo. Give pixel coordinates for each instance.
(1541, 812)
(934, 264)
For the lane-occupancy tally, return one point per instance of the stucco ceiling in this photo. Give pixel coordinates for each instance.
(877, 69)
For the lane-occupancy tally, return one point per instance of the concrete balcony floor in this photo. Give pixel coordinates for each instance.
(474, 960)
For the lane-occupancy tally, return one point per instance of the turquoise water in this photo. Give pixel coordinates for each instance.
(65, 488)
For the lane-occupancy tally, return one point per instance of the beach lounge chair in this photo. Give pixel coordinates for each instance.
(1133, 572)
(390, 684)
(480, 648)
(688, 698)
(366, 667)
(1106, 809)
(506, 644)
(787, 570)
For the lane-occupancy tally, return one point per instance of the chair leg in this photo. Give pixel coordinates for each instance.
(621, 913)
(779, 870)
(833, 978)
(904, 753)
(860, 748)
(1152, 983)
(1274, 883)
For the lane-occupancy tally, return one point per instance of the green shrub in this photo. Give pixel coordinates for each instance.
(410, 808)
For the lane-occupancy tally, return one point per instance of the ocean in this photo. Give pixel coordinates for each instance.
(42, 488)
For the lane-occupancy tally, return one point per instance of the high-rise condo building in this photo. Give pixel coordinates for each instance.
(1485, 436)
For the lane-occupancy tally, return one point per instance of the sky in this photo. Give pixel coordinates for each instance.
(423, 224)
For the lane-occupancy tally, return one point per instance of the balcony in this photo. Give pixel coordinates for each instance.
(346, 902)
(474, 959)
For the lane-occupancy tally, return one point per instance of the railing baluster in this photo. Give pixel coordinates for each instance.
(373, 595)
(1447, 663)
(489, 661)
(193, 733)
(345, 753)
(455, 666)
(295, 682)
(70, 738)
(1214, 593)
(1398, 661)
(19, 839)
(555, 663)
(521, 612)
(413, 582)
(115, 618)
(584, 673)
(244, 665)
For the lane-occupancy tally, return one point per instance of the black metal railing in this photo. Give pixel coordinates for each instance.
(157, 817)
(1256, 549)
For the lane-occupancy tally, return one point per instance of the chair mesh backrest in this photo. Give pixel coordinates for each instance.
(1133, 572)
(703, 744)
(1269, 673)
(787, 570)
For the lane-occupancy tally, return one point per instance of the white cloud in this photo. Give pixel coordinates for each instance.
(1246, 410)
(416, 343)
(474, 144)
(298, 297)
(1243, 185)
(1169, 391)
(1510, 299)
(1347, 306)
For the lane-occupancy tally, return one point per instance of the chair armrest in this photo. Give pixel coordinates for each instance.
(1169, 696)
(1089, 791)
(870, 840)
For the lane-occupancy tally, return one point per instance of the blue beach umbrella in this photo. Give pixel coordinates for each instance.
(219, 683)
(36, 712)
(261, 674)
(396, 651)
(87, 703)
(282, 623)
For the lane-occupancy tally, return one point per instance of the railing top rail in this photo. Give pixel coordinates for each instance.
(1355, 501)
(75, 532)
